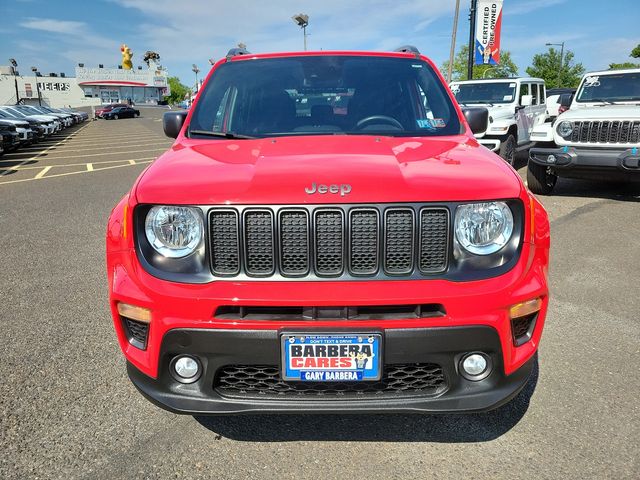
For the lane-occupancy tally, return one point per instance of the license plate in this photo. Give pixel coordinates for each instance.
(331, 358)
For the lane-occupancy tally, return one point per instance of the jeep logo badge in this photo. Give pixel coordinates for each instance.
(343, 189)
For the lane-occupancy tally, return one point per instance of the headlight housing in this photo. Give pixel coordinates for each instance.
(483, 228)
(565, 129)
(174, 231)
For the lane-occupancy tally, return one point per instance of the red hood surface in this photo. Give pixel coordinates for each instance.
(277, 171)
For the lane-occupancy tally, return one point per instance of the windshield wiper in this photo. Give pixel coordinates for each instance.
(230, 135)
(606, 102)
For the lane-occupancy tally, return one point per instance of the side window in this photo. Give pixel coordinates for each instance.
(524, 90)
(543, 94)
(534, 92)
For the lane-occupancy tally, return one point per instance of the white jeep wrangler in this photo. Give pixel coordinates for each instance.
(516, 106)
(597, 138)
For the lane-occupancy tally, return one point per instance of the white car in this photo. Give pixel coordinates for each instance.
(597, 138)
(53, 123)
(23, 129)
(516, 106)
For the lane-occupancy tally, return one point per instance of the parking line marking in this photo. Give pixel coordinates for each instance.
(89, 167)
(2, 174)
(89, 148)
(83, 164)
(69, 173)
(132, 162)
(42, 173)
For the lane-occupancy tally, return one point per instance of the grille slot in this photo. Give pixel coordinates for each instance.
(224, 234)
(434, 226)
(258, 237)
(360, 312)
(294, 242)
(399, 241)
(616, 131)
(363, 241)
(329, 242)
(137, 332)
(323, 242)
(264, 381)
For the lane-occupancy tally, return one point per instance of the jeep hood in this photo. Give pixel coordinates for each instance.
(602, 112)
(277, 171)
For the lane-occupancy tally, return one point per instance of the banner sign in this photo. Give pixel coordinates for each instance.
(488, 23)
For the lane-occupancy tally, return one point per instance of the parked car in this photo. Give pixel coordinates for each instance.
(373, 257)
(53, 124)
(82, 116)
(67, 119)
(10, 137)
(107, 108)
(598, 138)
(121, 112)
(40, 128)
(26, 134)
(516, 106)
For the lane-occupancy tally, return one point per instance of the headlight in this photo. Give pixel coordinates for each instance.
(174, 231)
(483, 228)
(565, 129)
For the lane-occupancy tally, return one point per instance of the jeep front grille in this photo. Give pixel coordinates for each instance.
(320, 242)
(616, 131)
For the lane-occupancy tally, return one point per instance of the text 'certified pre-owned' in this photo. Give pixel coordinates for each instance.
(343, 189)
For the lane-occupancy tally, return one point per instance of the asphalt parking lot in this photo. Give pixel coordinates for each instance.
(69, 411)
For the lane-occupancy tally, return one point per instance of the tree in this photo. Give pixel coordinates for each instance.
(635, 53)
(507, 67)
(178, 90)
(547, 66)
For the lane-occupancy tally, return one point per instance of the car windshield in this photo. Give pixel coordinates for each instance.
(484, 92)
(18, 112)
(622, 87)
(324, 95)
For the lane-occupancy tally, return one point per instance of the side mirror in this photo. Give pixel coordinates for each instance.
(565, 100)
(477, 118)
(526, 101)
(172, 123)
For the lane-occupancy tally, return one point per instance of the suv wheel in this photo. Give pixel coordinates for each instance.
(115, 117)
(541, 180)
(508, 150)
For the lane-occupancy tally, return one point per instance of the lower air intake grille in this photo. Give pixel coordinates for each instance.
(137, 332)
(263, 381)
(522, 328)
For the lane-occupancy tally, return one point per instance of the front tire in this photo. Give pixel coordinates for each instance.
(540, 179)
(115, 117)
(508, 150)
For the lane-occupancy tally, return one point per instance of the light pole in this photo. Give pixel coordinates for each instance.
(561, 45)
(453, 41)
(195, 70)
(302, 21)
(34, 70)
(14, 64)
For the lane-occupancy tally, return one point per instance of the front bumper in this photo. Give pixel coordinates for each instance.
(441, 346)
(615, 164)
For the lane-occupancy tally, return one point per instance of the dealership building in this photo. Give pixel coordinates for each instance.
(91, 86)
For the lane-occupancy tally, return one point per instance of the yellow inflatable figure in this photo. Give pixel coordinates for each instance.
(127, 55)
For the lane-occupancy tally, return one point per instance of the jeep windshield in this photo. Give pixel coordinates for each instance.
(622, 87)
(324, 95)
(484, 92)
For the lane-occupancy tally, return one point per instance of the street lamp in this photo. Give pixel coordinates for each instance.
(302, 21)
(34, 70)
(561, 45)
(14, 64)
(195, 70)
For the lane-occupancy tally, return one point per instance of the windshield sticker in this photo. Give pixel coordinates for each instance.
(431, 124)
(416, 65)
(455, 89)
(512, 85)
(591, 82)
(507, 98)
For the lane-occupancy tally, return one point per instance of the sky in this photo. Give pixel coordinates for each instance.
(55, 35)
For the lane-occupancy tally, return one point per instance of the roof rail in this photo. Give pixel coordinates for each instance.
(407, 49)
(237, 51)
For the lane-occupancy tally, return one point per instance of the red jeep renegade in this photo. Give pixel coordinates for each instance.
(326, 235)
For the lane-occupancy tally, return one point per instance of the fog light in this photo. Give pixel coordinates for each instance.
(475, 366)
(186, 368)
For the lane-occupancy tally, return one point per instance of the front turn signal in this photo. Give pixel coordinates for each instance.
(134, 313)
(525, 308)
